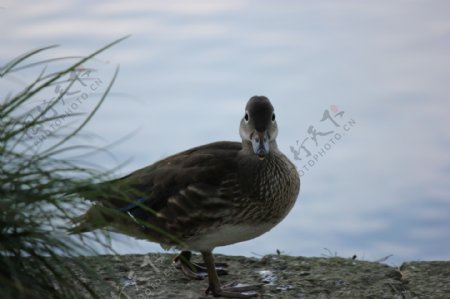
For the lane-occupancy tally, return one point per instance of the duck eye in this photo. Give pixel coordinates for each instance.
(273, 117)
(246, 117)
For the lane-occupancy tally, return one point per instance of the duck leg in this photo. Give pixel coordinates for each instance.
(196, 270)
(230, 291)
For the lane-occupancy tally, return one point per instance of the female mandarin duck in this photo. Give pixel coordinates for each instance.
(208, 196)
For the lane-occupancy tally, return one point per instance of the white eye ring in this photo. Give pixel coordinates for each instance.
(273, 117)
(246, 117)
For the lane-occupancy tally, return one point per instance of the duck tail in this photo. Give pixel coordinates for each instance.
(93, 219)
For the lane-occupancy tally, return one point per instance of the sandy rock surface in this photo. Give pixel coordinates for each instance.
(155, 276)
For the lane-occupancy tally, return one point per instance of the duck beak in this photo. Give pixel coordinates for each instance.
(260, 143)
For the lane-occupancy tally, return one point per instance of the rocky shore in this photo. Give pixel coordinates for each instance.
(154, 276)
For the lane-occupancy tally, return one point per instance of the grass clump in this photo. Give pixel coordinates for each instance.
(35, 251)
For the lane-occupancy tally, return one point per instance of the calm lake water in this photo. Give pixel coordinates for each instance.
(368, 80)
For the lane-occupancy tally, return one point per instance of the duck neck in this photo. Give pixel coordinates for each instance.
(247, 147)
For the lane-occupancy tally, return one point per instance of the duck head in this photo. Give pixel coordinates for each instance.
(258, 126)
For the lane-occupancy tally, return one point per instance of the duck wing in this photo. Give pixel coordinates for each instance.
(172, 194)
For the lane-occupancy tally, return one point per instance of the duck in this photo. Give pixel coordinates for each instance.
(205, 197)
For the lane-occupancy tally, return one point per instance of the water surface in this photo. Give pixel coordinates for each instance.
(187, 71)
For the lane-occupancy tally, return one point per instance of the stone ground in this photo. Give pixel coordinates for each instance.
(154, 276)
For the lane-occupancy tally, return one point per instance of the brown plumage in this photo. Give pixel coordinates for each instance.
(208, 196)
